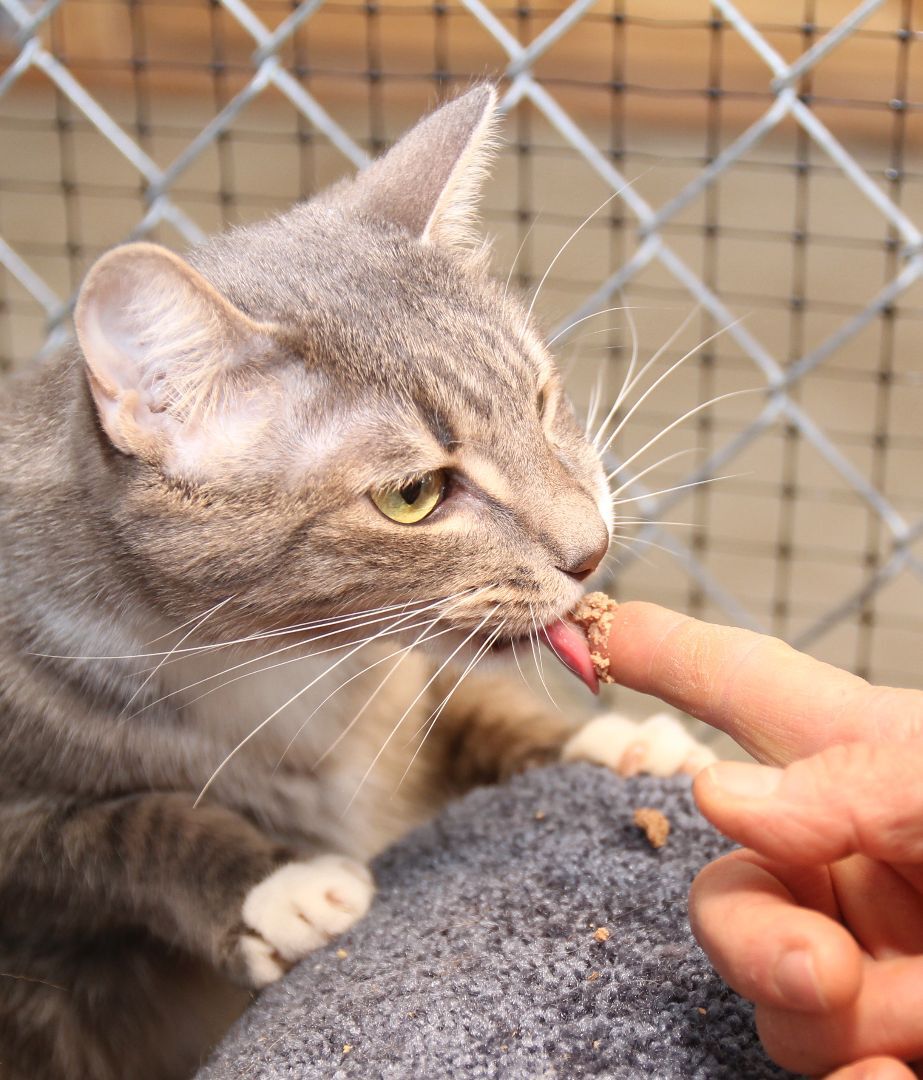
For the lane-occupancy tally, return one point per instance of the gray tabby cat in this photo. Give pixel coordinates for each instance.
(327, 429)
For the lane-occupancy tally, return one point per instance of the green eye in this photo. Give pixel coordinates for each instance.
(413, 501)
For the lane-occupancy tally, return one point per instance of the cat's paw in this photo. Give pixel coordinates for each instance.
(298, 908)
(659, 745)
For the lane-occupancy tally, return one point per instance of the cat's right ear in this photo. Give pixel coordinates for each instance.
(428, 183)
(163, 348)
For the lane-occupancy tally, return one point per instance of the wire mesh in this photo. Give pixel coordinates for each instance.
(766, 174)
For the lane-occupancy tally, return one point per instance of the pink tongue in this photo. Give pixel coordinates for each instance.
(570, 647)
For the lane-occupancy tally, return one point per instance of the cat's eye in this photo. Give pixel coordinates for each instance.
(413, 501)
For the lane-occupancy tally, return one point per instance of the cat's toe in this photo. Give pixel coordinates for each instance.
(660, 746)
(300, 907)
(262, 962)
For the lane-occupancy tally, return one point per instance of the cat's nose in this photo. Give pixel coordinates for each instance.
(583, 562)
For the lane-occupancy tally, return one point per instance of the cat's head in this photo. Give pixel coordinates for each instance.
(339, 409)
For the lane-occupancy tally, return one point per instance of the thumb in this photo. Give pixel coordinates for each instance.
(855, 798)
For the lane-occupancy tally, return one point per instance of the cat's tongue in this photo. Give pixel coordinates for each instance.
(569, 645)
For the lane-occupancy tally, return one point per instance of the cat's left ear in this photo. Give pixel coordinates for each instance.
(164, 351)
(430, 180)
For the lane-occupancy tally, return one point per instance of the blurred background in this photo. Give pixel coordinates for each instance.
(767, 159)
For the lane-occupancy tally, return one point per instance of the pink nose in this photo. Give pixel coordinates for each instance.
(582, 564)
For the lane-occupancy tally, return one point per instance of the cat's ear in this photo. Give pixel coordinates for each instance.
(163, 347)
(430, 180)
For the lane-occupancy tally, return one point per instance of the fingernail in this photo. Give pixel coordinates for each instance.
(741, 779)
(796, 980)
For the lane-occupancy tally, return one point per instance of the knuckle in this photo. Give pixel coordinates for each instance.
(856, 796)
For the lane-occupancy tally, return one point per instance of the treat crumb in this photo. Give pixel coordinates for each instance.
(596, 1044)
(602, 933)
(593, 976)
(347, 1047)
(342, 954)
(655, 825)
(539, 815)
(593, 614)
(702, 1012)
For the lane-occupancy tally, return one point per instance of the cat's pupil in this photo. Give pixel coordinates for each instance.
(411, 492)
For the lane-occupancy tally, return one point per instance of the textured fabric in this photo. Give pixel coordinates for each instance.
(481, 955)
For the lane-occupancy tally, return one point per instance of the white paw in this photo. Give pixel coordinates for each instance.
(659, 745)
(300, 907)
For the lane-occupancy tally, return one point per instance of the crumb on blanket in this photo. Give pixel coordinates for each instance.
(656, 825)
(602, 933)
(593, 614)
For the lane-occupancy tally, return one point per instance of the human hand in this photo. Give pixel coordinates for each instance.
(819, 918)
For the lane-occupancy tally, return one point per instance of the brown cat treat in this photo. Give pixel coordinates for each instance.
(593, 614)
(656, 825)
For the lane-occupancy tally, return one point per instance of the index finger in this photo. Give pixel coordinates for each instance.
(776, 702)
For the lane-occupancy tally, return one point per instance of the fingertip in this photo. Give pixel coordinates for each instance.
(837, 965)
(821, 974)
(765, 945)
(716, 804)
(879, 1068)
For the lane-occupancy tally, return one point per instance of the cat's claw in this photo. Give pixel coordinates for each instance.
(298, 908)
(659, 745)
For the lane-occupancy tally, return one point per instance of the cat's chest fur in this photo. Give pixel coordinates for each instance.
(311, 746)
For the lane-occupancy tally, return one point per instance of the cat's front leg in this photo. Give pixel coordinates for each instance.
(203, 878)
(494, 728)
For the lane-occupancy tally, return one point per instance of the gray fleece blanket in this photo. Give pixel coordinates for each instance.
(484, 956)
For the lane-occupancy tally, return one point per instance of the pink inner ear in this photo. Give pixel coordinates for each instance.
(569, 645)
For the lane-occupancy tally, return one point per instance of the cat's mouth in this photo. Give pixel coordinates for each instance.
(568, 644)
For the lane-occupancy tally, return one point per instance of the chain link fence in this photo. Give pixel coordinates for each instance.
(765, 169)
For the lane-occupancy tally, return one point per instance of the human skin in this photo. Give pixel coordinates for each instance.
(818, 918)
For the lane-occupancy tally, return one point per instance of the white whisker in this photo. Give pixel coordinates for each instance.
(628, 541)
(509, 276)
(429, 682)
(518, 665)
(577, 322)
(344, 622)
(292, 660)
(665, 375)
(539, 666)
(391, 628)
(189, 633)
(434, 716)
(650, 468)
(627, 381)
(680, 420)
(625, 547)
(298, 628)
(403, 653)
(651, 521)
(195, 619)
(567, 242)
(677, 487)
(595, 398)
(630, 383)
